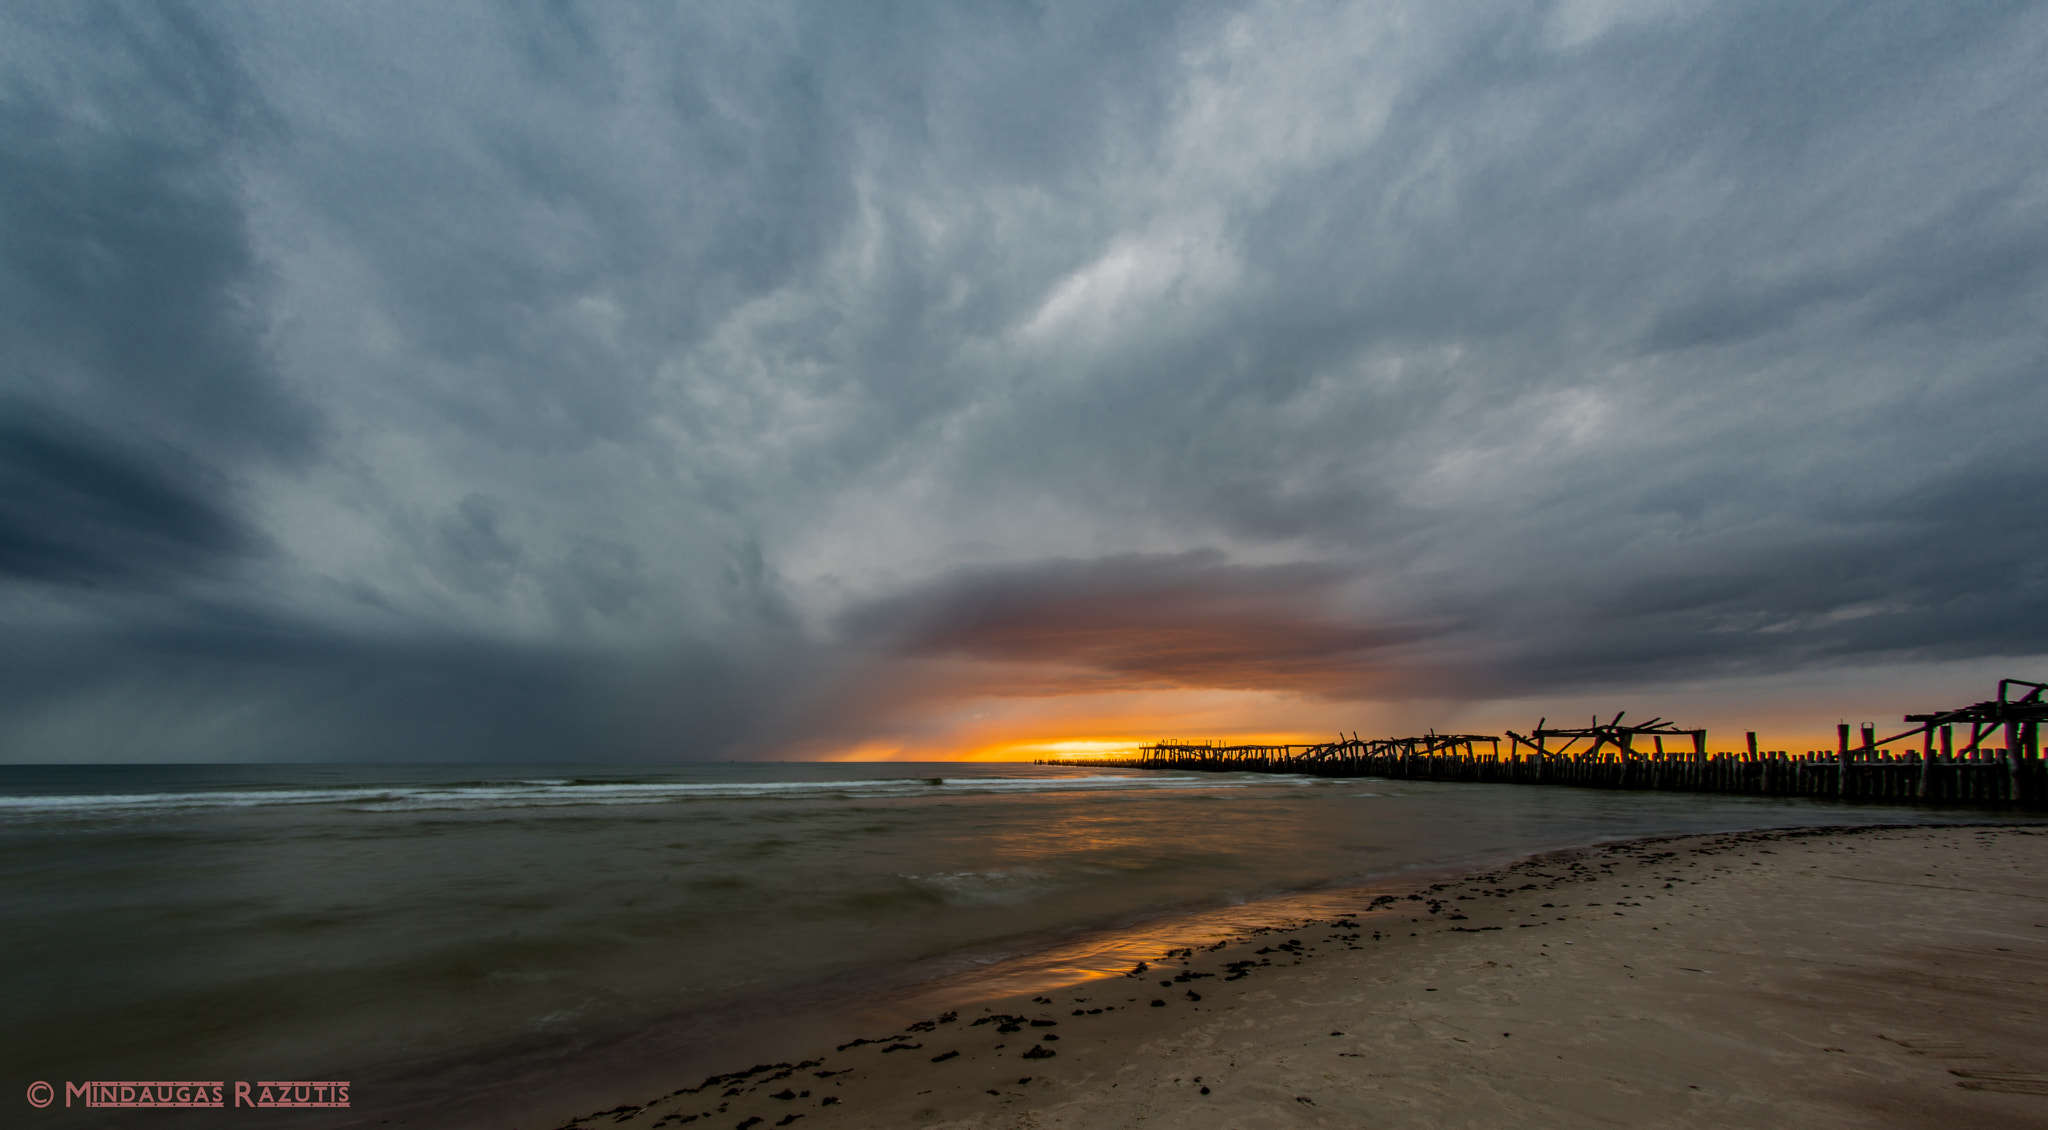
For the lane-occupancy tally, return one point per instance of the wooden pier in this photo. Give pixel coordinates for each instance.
(1618, 755)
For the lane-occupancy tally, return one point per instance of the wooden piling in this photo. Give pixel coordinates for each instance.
(1611, 759)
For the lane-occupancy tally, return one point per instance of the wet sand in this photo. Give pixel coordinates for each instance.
(1813, 978)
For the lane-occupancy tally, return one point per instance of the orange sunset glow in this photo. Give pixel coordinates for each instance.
(1043, 722)
(999, 729)
(1090, 659)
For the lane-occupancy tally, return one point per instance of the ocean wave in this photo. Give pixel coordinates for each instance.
(1002, 887)
(551, 793)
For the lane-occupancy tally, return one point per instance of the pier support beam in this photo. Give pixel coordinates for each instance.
(1890, 769)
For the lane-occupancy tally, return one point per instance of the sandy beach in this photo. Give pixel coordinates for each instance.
(1819, 977)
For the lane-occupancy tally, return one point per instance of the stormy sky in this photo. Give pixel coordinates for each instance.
(616, 381)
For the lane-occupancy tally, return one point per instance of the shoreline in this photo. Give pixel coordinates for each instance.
(969, 899)
(1244, 1014)
(541, 1084)
(505, 1083)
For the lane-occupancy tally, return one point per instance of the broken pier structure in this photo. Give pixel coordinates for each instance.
(1659, 755)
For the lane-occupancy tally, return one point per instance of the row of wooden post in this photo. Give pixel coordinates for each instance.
(1865, 771)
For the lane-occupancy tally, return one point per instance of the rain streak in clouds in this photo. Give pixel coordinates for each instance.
(618, 381)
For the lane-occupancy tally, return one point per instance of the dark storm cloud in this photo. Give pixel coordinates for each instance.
(76, 510)
(549, 366)
(1187, 621)
(128, 286)
(127, 296)
(221, 685)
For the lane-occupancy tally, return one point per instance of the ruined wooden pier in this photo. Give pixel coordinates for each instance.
(1618, 755)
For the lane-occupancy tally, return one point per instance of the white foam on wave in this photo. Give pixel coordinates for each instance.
(214, 799)
(557, 793)
(1010, 886)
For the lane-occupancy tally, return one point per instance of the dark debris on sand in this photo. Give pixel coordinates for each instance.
(1301, 941)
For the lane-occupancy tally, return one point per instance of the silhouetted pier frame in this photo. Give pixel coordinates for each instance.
(1634, 756)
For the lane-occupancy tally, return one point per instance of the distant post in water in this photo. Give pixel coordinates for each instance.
(1751, 736)
(2012, 760)
(1842, 759)
(1926, 762)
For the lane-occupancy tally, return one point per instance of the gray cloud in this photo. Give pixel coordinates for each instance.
(128, 284)
(737, 356)
(77, 510)
(1184, 621)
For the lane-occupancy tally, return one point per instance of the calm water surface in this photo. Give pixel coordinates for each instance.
(206, 922)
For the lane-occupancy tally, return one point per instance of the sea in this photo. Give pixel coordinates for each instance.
(494, 945)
